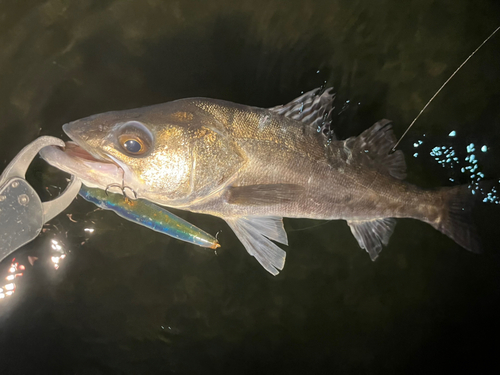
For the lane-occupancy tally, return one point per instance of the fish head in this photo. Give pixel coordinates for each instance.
(167, 156)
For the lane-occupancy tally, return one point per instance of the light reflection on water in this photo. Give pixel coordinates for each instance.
(56, 253)
(8, 289)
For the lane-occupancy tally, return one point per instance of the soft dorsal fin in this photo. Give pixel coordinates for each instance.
(373, 147)
(312, 108)
(372, 234)
(255, 233)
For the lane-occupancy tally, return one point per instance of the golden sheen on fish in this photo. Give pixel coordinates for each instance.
(253, 166)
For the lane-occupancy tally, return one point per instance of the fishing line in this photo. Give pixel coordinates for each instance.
(444, 84)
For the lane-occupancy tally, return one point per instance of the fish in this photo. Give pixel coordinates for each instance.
(254, 166)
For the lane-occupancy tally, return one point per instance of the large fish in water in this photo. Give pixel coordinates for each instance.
(253, 166)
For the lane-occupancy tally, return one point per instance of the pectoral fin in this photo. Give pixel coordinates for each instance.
(255, 234)
(372, 234)
(263, 194)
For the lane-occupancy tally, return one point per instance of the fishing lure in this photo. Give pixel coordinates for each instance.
(150, 216)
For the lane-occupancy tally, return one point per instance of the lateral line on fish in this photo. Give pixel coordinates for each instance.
(442, 86)
(367, 188)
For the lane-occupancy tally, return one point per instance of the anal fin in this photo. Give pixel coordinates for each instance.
(372, 234)
(256, 233)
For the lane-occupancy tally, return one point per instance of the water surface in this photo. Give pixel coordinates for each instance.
(106, 296)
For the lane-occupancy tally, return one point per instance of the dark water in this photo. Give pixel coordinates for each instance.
(128, 300)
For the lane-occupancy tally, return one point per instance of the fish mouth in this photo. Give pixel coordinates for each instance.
(93, 168)
(73, 149)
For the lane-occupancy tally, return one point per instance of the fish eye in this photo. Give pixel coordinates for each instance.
(134, 138)
(132, 144)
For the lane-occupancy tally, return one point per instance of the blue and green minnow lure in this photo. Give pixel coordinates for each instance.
(149, 215)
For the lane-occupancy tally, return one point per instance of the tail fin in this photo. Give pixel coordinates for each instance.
(456, 220)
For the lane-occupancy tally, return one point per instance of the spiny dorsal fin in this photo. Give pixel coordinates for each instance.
(255, 233)
(372, 234)
(373, 147)
(312, 108)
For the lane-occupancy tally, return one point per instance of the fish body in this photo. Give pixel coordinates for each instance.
(253, 166)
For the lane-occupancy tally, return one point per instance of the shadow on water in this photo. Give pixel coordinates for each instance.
(126, 300)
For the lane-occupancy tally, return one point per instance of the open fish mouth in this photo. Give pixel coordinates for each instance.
(74, 150)
(91, 168)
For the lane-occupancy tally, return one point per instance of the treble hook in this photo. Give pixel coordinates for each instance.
(122, 187)
(132, 190)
